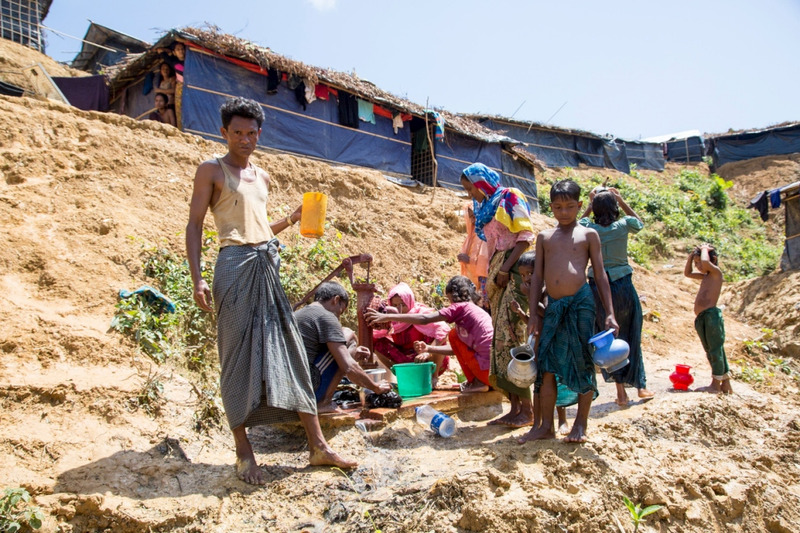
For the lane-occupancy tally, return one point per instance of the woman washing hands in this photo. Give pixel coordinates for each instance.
(395, 344)
(470, 339)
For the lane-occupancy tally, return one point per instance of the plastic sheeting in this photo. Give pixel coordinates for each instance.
(647, 156)
(686, 150)
(315, 132)
(459, 151)
(777, 141)
(520, 175)
(89, 93)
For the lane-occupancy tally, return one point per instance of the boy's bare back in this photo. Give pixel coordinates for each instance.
(566, 253)
(710, 277)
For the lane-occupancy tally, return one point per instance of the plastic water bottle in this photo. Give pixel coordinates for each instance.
(440, 423)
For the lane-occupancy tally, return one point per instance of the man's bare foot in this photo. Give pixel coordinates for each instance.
(474, 386)
(328, 457)
(726, 386)
(248, 471)
(645, 394)
(578, 433)
(521, 420)
(330, 407)
(539, 433)
(563, 429)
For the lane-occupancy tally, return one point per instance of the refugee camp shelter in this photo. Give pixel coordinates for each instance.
(738, 146)
(20, 21)
(103, 47)
(319, 113)
(682, 147)
(563, 147)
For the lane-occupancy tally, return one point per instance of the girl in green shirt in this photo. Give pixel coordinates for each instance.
(614, 231)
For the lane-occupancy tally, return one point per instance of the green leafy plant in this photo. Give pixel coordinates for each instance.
(690, 207)
(189, 331)
(637, 513)
(363, 505)
(16, 511)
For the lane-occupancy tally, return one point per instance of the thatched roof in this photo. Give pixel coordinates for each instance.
(130, 70)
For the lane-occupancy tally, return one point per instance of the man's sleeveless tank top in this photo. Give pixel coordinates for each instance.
(240, 214)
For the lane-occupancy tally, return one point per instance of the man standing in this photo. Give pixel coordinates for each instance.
(264, 376)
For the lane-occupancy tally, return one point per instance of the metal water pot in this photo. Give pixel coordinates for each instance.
(522, 367)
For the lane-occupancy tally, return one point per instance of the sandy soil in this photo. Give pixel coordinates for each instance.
(80, 193)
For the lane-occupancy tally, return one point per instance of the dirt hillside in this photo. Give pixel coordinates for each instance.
(81, 193)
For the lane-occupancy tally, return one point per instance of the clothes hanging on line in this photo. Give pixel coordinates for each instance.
(775, 198)
(760, 204)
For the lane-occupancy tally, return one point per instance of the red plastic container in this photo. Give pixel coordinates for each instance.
(681, 378)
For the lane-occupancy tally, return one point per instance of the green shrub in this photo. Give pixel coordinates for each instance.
(16, 511)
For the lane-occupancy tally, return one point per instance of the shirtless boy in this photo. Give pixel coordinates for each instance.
(709, 324)
(562, 255)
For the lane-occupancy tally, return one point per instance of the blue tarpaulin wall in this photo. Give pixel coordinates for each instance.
(313, 132)
(778, 141)
(457, 152)
(648, 156)
(555, 149)
(686, 150)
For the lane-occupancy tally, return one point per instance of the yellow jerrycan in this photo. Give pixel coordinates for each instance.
(312, 221)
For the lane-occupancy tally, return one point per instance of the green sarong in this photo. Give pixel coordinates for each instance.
(564, 342)
(711, 329)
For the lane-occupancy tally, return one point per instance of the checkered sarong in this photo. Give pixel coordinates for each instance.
(264, 376)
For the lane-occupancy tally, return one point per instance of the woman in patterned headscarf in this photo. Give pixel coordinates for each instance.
(502, 219)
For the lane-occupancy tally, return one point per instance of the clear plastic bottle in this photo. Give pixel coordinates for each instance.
(438, 422)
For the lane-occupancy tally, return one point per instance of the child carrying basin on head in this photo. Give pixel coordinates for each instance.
(709, 324)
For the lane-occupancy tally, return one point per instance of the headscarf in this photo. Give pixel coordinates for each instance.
(477, 251)
(507, 205)
(437, 330)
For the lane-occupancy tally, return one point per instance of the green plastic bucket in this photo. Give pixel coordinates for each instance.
(414, 379)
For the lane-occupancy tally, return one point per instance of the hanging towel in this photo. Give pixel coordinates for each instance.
(397, 122)
(439, 131)
(273, 80)
(381, 111)
(365, 111)
(348, 109)
(760, 204)
(321, 92)
(310, 90)
(775, 198)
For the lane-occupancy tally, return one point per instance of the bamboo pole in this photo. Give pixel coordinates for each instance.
(433, 153)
